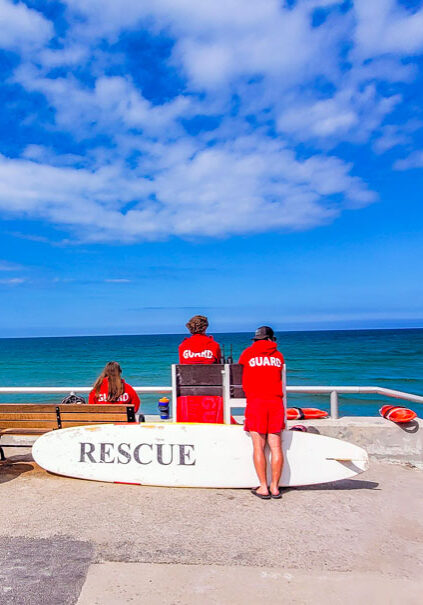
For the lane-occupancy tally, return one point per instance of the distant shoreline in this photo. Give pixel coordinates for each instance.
(183, 334)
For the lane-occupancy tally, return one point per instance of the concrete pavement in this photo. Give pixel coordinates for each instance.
(60, 536)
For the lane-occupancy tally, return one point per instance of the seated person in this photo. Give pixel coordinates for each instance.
(111, 388)
(199, 348)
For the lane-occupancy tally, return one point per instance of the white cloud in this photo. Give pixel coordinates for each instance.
(293, 83)
(383, 26)
(22, 28)
(390, 137)
(351, 114)
(414, 160)
(118, 281)
(221, 40)
(8, 266)
(13, 281)
(280, 45)
(111, 104)
(71, 55)
(249, 185)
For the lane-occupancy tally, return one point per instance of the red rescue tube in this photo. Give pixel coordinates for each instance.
(305, 413)
(397, 413)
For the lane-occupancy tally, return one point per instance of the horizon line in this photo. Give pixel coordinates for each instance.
(285, 331)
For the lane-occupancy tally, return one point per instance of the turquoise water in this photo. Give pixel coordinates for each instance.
(387, 358)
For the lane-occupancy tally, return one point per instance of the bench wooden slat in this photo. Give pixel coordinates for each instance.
(26, 408)
(88, 423)
(29, 408)
(36, 424)
(21, 431)
(22, 416)
(95, 417)
(72, 416)
(111, 408)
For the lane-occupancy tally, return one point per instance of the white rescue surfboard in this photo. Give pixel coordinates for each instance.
(189, 455)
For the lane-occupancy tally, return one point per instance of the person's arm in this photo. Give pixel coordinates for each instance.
(218, 353)
(92, 398)
(180, 353)
(134, 398)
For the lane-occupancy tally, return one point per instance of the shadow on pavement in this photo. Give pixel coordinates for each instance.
(343, 484)
(12, 467)
(409, 427)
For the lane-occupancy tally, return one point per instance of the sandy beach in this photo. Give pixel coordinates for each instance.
(65, 541)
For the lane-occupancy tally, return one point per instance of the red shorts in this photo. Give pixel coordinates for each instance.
(264, 415)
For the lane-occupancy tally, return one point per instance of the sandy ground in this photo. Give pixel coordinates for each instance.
(57, 533)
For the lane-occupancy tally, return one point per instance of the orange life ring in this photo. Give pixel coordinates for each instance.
(305, 413)
(397, 413)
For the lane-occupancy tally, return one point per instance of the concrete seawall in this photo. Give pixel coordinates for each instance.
(383, 440)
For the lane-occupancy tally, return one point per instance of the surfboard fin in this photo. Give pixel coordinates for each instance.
(346, 459)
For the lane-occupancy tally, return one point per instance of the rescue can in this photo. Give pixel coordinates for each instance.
(164, 408)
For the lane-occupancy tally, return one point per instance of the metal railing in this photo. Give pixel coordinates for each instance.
(332, 391)
(72, 389)
(335, 391)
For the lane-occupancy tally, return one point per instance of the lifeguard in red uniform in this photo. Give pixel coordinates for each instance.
(199, 348)
(111, 388)
(264, 414)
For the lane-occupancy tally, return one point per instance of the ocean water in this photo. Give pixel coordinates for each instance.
(387, 358)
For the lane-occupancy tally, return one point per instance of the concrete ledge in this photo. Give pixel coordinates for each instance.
(382, 439)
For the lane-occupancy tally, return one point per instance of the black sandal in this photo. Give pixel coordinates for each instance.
(277, 496)
(261, 496)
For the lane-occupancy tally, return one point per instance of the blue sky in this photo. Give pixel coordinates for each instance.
(260, 162)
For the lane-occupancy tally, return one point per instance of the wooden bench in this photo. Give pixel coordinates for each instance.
(36, 419)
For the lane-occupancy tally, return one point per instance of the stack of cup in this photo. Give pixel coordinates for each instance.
(164, 408)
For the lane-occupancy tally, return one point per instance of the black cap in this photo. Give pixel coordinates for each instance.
(264, 332)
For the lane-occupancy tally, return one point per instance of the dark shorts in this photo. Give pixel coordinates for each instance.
(264, 415)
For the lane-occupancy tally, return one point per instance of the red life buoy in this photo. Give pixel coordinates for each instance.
(305, 413)
(397, 413)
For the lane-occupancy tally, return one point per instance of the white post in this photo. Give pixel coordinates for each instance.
(174, 394)
(334, 408)
(285, 398)
(226, 382)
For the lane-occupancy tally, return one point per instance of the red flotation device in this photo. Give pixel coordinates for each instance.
(305, 413)
(397, 413)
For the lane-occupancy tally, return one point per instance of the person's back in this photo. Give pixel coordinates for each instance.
(262, 375)
(199, 348)
(111, 388)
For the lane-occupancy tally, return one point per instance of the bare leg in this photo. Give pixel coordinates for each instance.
(275, 444)
(259, 443)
